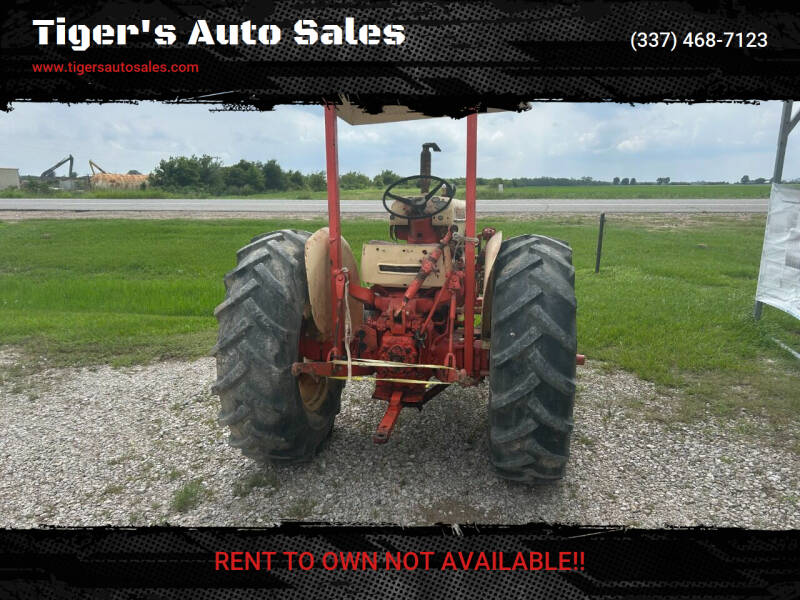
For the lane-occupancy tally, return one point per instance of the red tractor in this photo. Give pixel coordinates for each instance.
(296, 323)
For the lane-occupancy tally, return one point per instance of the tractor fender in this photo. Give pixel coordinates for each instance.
(490, 253)
(318, 275)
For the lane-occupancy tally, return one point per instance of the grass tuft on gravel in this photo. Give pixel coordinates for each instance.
(302, 509)
(259, 479)
(188, 496)
(671, 304)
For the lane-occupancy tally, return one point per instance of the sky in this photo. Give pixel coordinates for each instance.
(719, 141)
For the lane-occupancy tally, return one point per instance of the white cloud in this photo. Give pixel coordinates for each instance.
(635, 144)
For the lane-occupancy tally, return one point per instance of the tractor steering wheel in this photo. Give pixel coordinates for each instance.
(418, 204)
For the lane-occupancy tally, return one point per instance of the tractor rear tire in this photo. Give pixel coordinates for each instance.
(532, 362)
(272, 415)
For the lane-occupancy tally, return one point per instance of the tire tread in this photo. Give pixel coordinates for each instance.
(532, 362)
(260, 324)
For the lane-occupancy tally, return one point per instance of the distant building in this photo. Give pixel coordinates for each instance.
(75, 183)
(9, 178)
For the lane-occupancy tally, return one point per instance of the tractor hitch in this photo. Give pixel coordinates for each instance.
(398, 389)
(386, 425)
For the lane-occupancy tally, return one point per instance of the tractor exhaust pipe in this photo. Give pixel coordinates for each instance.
(425, 165)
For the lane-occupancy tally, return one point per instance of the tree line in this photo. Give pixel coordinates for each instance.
(206, 174)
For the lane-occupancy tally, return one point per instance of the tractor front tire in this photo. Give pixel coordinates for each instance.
(532, 361)
(272, 415)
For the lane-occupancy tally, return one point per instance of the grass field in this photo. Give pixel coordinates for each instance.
(672, 302)
(483, 192)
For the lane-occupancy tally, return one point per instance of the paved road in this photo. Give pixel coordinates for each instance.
(374, 206)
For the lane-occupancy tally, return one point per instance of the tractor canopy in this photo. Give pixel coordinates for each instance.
(352, 114)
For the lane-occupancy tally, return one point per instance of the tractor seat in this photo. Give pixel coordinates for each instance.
(395, 265)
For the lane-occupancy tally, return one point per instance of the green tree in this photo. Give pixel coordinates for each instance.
(295, 180)
(317, 181)
(204, 173)
(274, 177)
(633, 180)
(354, 181)
(385, 178)
(244, 177)
(745, 179)
(624, 181)
(616, 180)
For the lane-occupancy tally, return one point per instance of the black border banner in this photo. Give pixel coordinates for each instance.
(600, 562)
(456, 56)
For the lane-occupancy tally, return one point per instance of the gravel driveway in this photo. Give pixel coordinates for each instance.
(141, 445)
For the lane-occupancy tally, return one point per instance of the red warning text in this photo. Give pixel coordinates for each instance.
(400, 561)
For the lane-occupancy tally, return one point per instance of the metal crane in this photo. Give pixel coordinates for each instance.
(51, 172)
(95, 167)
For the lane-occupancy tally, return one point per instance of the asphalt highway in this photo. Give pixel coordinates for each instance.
(287, 206)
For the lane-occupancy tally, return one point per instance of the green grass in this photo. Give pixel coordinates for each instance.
(301, 509)
(188, 496)
(627, 191)
(483, 192)
(671, 304)
(259, 479)
(113, 489)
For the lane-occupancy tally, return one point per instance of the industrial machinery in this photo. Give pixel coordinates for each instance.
(447, 305)
(51, 172)
(95, 168)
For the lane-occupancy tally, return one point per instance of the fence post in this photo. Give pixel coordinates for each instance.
(600, 242)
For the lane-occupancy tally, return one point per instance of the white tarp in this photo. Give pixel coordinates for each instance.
(779, 275)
